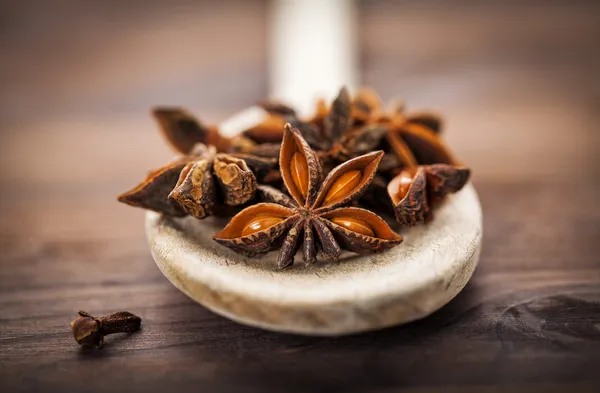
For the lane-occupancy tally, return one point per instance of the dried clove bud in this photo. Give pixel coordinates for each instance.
(89, 331)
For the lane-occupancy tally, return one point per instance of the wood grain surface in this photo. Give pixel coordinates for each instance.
(529, 318)
(518, 85)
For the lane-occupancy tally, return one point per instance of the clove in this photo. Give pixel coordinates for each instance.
(89, 331)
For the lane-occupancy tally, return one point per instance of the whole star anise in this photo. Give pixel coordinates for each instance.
(316, 207)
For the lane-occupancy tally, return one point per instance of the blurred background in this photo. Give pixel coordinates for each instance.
(518, 81)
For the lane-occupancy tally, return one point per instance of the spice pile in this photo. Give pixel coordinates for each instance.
(325, 183)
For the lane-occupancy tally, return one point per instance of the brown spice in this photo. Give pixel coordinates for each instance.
(417, 189)
(184, 131)
(89, 331)
(425, 169)
(200, 182)
(316, 205)
(413, 171)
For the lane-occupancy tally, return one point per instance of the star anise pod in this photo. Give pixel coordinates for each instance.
(326, 131)
(358, 125)
(195, 184)
(417, 189)
(424, 171)
(414, 140)
(317, 207)
(183, 130)
(430, 170)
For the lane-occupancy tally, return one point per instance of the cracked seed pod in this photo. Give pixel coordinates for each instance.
(409, 196)
(235, 178)
(415, 190)
(198, 184)
(315, 213)
(196, 189)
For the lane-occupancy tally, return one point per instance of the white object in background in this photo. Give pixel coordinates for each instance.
(312, 50)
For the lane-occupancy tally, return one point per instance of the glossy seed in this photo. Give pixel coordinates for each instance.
(260, 223)
(404, 184)
(406, 178)
(299, 170)
(343, 186)
(355, 225)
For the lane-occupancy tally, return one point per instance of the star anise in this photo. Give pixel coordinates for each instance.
(417, 189)
(430, 170)
(424, 171)
(316, 207)
(195, 184)
(346, 129)
(330, 131)
(183, 130)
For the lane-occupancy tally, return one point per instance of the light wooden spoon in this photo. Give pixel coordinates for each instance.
(354, 294)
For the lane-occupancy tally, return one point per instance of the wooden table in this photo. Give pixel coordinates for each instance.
(530, 317)
(528, 321)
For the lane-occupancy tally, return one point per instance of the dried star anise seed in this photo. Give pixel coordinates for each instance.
(415, 190)
(316, 206)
